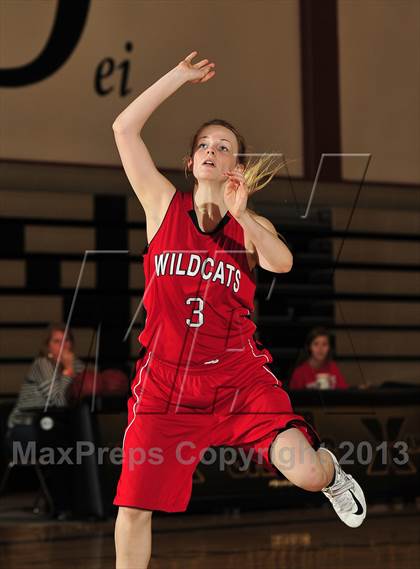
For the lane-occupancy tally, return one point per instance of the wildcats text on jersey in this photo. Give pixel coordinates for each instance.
(191, 264)
(199, 288)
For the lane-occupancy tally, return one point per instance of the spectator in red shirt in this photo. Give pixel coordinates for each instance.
(319, 370)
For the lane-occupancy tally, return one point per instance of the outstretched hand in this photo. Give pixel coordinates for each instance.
(236, 192)
(196, 72)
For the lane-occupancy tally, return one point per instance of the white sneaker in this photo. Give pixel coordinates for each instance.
(346, 496)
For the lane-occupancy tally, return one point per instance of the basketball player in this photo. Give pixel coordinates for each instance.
(202, 379)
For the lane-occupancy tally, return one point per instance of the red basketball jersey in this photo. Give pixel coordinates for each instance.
(199, 290)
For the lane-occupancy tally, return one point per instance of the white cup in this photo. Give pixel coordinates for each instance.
(323, 380)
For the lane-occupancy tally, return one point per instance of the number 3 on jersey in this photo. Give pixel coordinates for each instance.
(198, 312)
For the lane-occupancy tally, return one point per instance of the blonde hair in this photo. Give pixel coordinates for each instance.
(260, 172)
(257, 173)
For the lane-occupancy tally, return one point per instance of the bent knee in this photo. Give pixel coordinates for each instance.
(312, 480)
(134, 515)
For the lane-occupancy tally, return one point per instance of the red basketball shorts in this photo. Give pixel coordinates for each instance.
(175, 414)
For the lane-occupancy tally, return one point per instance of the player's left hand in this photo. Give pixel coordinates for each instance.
(236, 192)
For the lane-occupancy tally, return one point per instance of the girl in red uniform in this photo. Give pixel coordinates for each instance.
(201, 378)
(319, 370)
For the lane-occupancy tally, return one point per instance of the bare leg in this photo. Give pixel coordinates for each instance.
(292, 454)
(133, 538)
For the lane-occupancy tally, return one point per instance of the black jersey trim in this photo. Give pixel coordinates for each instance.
(193, 215)
(219, 226)
(146, 248)
(282, 238)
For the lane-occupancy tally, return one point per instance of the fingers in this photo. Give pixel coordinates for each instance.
(201, 63)
(236, 175)
(209, 67)
(233, 184)
(191, 56)
(208, 76)
(236, 178)
(202, 66)
(198, 65)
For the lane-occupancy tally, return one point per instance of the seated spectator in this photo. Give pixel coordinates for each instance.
(36, 386)
(319, 370)
(40, 386)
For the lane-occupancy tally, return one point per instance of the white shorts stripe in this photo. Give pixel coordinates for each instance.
(137, 400)
(263, 356)
(254, 354)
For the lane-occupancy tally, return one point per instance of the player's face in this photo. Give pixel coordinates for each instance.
(55, 343)
(320, 347)
(218, 145)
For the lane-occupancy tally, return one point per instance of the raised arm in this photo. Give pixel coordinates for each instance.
(152, 188)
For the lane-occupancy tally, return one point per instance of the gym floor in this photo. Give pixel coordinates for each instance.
(284, 539)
